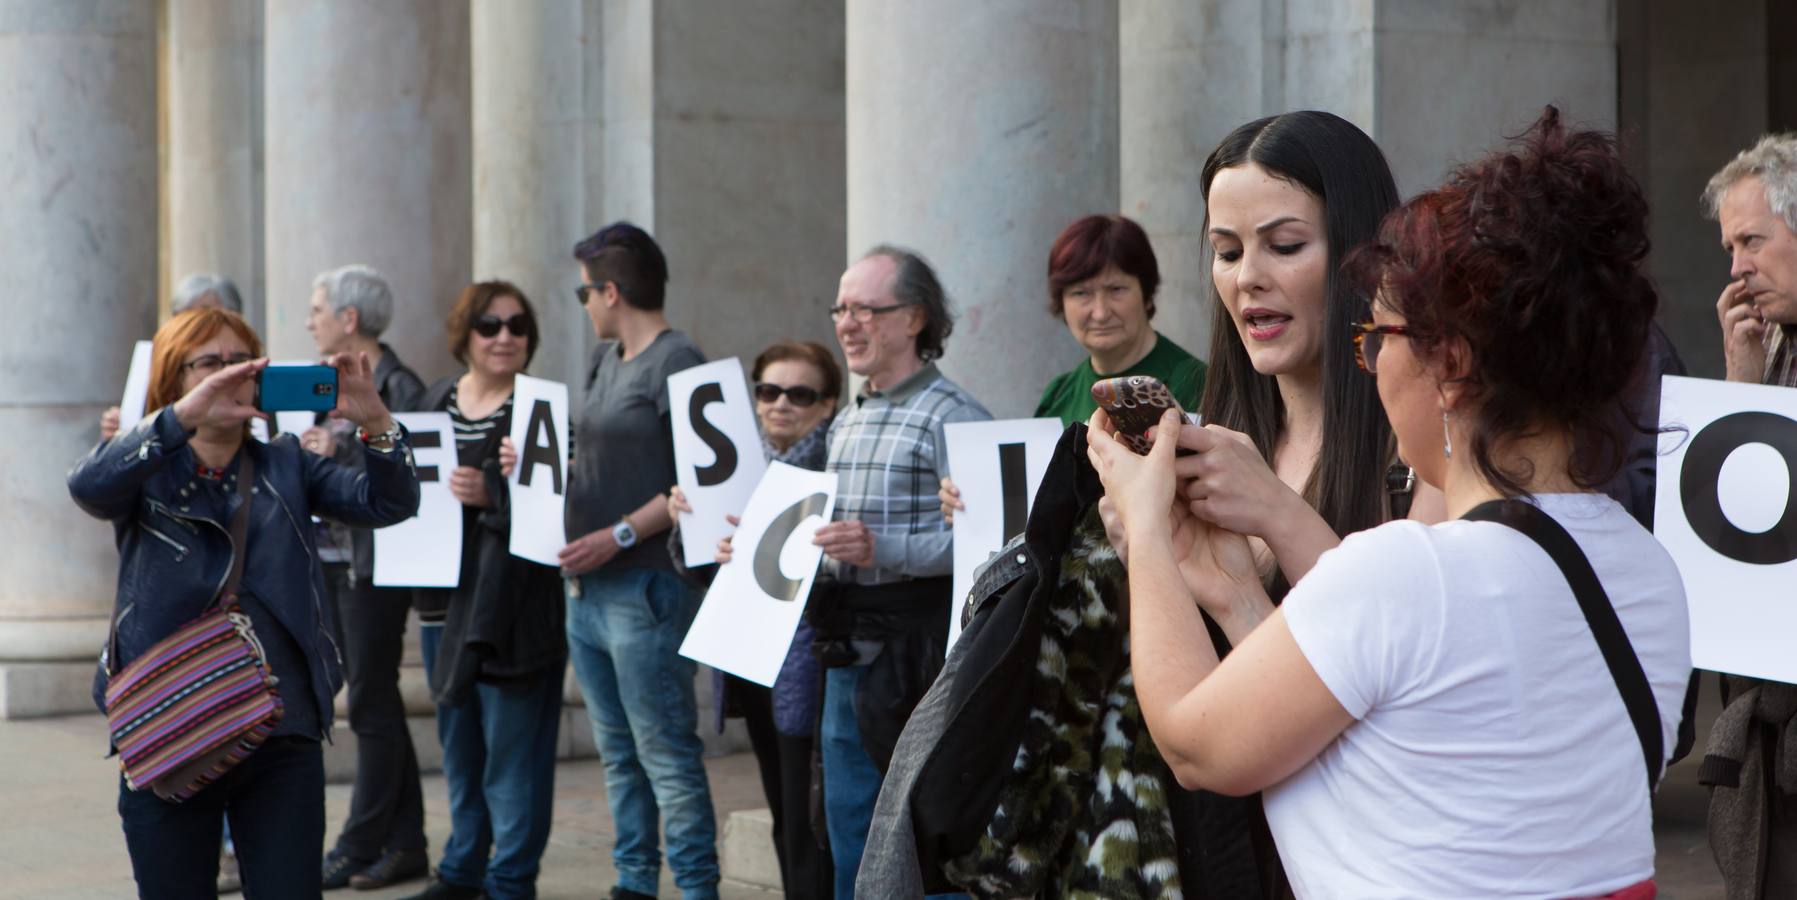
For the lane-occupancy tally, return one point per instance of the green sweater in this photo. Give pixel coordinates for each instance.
(1069, 395)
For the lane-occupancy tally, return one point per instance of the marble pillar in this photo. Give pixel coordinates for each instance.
(724, 138)
(213, 182)
(78, 178)
(975, 145)
(537, 142)
(368, 154)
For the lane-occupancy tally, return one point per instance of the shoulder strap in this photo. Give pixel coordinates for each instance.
(1612, 640)
(240, 528)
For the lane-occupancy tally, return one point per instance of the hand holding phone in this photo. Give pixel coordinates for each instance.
(1135, 404)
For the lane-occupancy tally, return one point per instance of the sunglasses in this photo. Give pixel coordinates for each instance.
(488, 326)
(799, 394)
(1368, 338)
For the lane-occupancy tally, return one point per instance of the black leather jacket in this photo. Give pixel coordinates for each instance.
(172, 562)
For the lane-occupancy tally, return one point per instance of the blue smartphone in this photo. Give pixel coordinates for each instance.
(284, 388)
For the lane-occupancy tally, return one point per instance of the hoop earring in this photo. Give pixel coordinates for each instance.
(1447, 440)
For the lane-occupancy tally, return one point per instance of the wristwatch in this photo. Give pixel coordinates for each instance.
(624, 534)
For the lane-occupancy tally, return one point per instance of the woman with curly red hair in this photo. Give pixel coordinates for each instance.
(1434, 710)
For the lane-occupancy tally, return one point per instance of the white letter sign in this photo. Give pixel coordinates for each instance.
(747, 621)
(137, 388)
(717, 451)
(1726, 509)
(997, 466)
(425, 550)
(539, 482)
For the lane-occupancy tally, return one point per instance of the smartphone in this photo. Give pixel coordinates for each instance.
(281, 388)
(1135, 404)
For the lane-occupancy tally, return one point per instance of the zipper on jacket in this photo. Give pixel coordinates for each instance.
(163, 508)
(180, 549)
(228, 542)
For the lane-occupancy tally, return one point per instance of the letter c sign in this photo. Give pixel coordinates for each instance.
(1698, 487)
(767, 554)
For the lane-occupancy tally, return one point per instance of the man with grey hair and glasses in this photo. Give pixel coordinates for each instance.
(382, 841)
(1751, 764)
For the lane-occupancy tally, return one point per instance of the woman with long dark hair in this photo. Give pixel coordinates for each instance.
(1463, 709)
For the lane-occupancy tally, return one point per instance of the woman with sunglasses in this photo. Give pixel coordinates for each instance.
(171, 488)
(796, 386)
(1511, 311)
(494, 646)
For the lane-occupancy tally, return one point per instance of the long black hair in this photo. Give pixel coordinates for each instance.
(1335, 161)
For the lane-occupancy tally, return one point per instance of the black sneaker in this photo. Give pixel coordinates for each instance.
(439, 889)
(393, 867)
(619, 893)
(338, 867)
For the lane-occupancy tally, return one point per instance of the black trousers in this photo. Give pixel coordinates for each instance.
(386, 808)
(785, 764)
(275, 802)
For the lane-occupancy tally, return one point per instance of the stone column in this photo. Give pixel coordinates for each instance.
(78, 178)
(724, 138)
(368, 162)
(213, 66)
(537, 135)
(975, 145)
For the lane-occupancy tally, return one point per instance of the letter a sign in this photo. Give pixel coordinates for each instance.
(747, 621)
(1726, 509)
(717, 452)
(538, 484)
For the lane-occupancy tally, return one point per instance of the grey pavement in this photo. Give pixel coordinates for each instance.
(61, 840)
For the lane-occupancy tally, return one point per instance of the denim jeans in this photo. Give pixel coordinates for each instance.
(275, 803)
(851, 780)
(499, 762)
(624, 632)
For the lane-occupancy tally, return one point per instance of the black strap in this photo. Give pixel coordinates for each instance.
(1612, 640)
(240, 528)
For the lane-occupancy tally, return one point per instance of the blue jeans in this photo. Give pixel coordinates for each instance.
(851, 780)
(275, 803)
(624, 632)
(499, 762)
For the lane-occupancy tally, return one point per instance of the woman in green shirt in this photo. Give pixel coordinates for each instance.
(1102, 276)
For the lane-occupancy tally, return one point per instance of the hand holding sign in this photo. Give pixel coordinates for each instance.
(540, 434)
(1726, 509)
(998, 466)
(717, 451)
(747, 621)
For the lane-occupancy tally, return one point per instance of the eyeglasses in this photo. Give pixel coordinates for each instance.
(800, 395)
(581, 292)
(1368, 338)
(212, 362)
(863, 314)
(488, 326)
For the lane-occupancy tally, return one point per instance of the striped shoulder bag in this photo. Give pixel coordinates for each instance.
(202, 699)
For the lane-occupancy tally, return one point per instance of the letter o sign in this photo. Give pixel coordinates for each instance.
(1699, 482)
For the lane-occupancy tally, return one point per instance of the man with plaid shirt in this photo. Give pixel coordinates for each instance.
(882, 605)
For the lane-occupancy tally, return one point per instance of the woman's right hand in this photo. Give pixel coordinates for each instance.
(950, 497)
(109, 423)
(1228, 483)
(508, 457)
(724, 547)
(216, 401)
(469, 485)
(677, 503)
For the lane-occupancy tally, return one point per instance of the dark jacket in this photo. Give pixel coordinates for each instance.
(505, 618)
(172, 562)
(955, 754)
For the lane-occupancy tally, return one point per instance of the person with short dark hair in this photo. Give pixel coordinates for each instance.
(1455, 654)
(881, 606)
(494, 646)
(627, 610)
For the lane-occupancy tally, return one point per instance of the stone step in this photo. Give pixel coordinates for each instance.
(746, 854)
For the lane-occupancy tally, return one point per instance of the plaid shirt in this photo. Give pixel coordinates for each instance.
(889, 454)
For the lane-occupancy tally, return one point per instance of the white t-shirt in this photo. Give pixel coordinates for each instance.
(1492, 755)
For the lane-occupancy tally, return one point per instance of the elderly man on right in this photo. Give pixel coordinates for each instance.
(1752, 759)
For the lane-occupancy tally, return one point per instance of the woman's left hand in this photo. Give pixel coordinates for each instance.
(1140, 487)
(357, 398)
